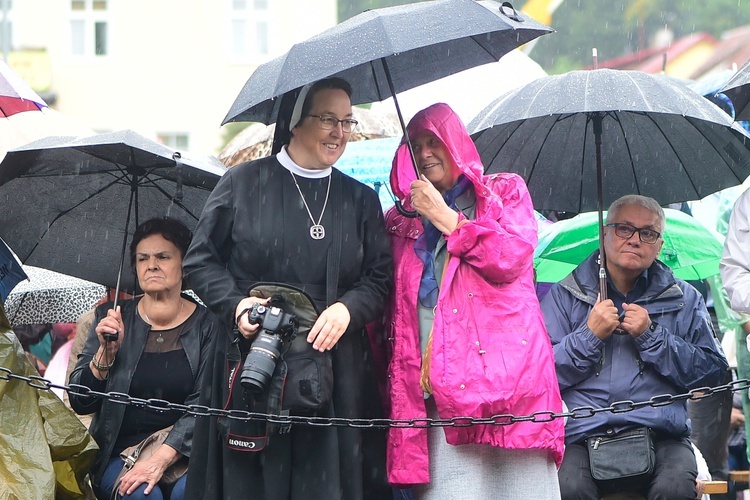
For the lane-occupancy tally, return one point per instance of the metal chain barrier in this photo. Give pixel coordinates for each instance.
(696, 394)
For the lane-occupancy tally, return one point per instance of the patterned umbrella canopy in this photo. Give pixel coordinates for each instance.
(50, 297)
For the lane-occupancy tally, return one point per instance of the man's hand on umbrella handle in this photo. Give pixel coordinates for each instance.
(241, 315)
(329, 327)
(635, 320)
(603, 318)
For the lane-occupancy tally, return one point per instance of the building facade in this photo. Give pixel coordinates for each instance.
(168, 69)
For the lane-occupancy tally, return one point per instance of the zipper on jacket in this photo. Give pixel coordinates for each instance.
(596, 443)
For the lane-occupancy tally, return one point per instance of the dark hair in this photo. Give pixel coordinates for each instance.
(170, 229)
(326, 83)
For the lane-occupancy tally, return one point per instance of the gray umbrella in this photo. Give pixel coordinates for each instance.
(72, 205)
(583, 139)
(384, 51)
(738, 90)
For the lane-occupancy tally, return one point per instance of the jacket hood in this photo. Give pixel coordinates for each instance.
(442, 121)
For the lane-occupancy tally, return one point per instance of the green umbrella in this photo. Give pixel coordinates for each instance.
(692, 250)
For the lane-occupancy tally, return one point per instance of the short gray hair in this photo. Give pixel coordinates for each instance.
(636, 199)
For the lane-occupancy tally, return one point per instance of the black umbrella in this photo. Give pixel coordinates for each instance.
(68, 204)
(585, 138)
(738, 90)
(385, 51)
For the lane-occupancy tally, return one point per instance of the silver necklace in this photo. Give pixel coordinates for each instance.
(317, 231)
(160, 339)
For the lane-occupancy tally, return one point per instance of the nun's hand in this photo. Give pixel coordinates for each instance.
(330, 326)
(429, 203)
(242, 315)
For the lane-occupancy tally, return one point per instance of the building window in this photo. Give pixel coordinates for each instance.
(174, 140)
(6, 25)
(89, 33)
(249, 28)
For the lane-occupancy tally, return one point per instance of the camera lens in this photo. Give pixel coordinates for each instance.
(261, 362)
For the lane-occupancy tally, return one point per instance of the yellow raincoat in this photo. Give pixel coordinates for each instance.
(46, 450)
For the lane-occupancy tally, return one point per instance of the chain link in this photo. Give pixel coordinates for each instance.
(162, 405)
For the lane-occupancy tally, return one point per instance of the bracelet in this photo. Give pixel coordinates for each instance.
(100, 367)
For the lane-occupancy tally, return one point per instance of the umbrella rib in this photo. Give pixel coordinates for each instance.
(64, 212)
(582, 175)
(539, 152)
(151, 182)
(630, 152)
(687, 174)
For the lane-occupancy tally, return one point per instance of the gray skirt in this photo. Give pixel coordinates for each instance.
(480, 471)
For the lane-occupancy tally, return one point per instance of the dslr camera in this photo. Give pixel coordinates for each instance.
(278, 328)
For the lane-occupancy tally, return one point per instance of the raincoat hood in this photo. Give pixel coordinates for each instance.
(442, 121)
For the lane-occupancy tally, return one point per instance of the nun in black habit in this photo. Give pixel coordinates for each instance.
(291, 218)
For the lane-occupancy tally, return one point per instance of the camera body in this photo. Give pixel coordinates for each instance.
(278, 328)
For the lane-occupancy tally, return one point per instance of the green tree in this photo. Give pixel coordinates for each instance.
(620, 28)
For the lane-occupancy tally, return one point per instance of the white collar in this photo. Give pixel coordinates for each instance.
(287, 162)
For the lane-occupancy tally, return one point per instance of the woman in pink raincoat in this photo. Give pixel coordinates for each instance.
(466, 331)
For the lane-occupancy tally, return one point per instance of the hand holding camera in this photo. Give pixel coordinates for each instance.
(246, 329)
(277, 330)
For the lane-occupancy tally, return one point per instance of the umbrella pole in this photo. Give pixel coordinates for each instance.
(597, 123)
(133, 190)
(392, 88)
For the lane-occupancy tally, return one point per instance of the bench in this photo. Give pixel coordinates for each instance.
(704, 487)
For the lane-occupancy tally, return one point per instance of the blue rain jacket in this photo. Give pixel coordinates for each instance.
(679, 354)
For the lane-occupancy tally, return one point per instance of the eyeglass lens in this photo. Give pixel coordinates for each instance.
(645, 235)
(330, 123)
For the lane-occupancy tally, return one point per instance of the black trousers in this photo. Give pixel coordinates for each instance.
(674, 474)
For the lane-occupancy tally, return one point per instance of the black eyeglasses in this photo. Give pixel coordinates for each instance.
(330, 123)
(626, 231)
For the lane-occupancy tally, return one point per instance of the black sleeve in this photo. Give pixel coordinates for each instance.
(204, 265)
(366, 297)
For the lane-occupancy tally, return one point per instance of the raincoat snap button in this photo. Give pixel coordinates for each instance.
(393, 229)
(477, 342)
(463, 386)
(523, 342)
(455, 311)
(471, 295)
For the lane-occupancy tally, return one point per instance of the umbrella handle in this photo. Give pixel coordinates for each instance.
(514, 16)
(406, 213)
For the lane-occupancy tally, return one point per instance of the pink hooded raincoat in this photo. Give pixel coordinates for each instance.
(490, 351)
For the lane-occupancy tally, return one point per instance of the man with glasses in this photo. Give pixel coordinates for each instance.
(651, 337)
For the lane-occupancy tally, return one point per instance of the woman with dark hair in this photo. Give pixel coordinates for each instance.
(151, 347)
(293, 219)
